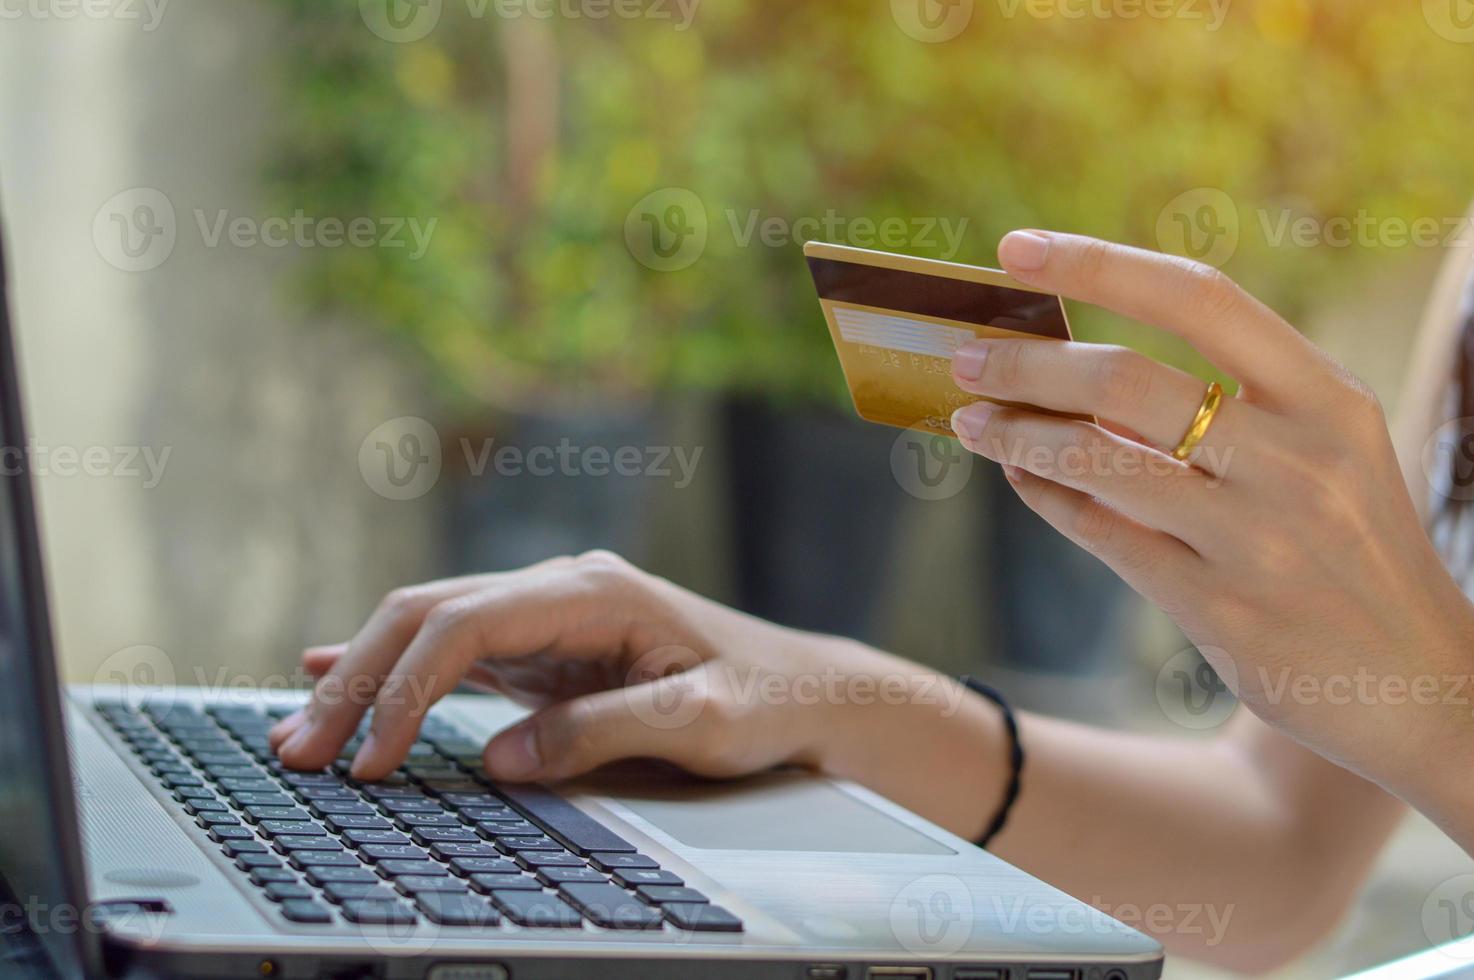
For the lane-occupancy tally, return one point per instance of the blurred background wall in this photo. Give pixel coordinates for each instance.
(320, 417)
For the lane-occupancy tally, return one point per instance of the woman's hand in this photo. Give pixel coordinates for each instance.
(618, 664)
(1287, 547)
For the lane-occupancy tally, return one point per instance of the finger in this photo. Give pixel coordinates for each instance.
(579, 610)
(1142, 557)
(1118, 385)
(574, 737)
(344, 693)
(1197, 302)
(1140, 482)
(317, 661)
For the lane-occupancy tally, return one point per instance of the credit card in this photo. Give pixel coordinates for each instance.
(896, 321)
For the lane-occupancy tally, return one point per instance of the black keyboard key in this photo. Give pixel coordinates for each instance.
(360, 837)
(247, 798)
(393, 869)
(508, 828)
(283, 891)
(393, 852)
(480, 813)
(177, 781)
(211, 818)
(393, 804)
(339, 892)
(346, 807)
(195, 807)
(663, 894)
(247, 862)
(482, 865)
(193, 793)
(472, 799)
(338, 822)
(341, 876)
(701, 917)
(488, 883)
(425, 836)
(319, 794)
(450, 909)
(291, 828)
(410, 821)
(254, 813)
(415, 884)
(581, 832)
(610, 907)
(230, 832)
(324, 859)
(448, 852)
(517, 845)
(568, 876)
(291, 845)
(378, 913)
(305, 910)
(635, 877)
(608, 862)
(272, 876)
(534, 860)
(536, 909)
(235, 848)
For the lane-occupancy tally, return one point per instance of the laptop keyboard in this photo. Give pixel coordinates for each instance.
(436, 840)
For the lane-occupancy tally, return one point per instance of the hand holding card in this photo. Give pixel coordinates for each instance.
(896, 321)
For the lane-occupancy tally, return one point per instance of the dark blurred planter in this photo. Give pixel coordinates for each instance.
(497, 520)
(813, 531)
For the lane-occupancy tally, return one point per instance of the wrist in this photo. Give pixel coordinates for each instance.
(915, 736)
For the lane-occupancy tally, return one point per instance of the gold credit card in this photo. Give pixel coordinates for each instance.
(896, 321)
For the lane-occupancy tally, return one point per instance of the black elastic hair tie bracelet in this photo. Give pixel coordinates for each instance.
(1015, 758)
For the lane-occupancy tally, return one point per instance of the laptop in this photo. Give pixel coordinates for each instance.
(150, 832)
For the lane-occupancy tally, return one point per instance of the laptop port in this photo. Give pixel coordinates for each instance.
(899, 973)
(827, 971)
(980, 973)
(1053, 973)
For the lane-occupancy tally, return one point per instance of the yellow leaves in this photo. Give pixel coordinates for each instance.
(1286, 22)
(425, 74)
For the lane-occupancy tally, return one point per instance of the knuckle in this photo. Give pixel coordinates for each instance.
(1093, 258)
(1006, 365)
(402, 602)
(1124, 378)
(449, 616)
(604, 567)
(1207, 293)
(1096, 526)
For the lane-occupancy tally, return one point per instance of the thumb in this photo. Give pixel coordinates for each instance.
(662, 719)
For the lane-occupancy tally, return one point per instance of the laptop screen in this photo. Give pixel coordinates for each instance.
(40, 859)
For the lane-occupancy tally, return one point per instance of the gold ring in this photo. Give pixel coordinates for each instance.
(1199, 428)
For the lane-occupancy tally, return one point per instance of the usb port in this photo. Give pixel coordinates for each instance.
(899, 973)
(980, 973)
(1054, 973)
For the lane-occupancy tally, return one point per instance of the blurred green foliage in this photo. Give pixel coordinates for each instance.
(530, 140)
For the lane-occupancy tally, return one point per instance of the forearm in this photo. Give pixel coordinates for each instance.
(1203, 835)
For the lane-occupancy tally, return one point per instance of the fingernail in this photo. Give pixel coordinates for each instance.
(967, 363)
(970, 421)
(363, 756)
(1023, 251)
(514, 755)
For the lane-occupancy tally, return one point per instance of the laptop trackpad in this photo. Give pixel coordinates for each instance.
(783, 811)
